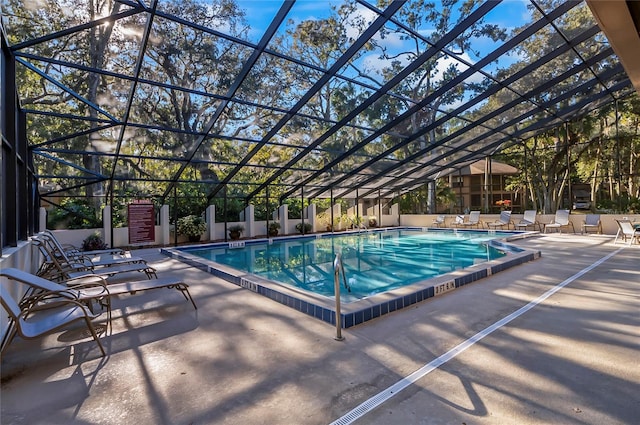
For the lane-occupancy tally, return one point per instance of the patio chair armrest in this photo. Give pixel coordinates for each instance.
(46, 299)
(88, 280)
(37, 306)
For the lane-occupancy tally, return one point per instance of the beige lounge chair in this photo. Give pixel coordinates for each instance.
(592, 222)
(560, 221)
(627, 231)
(504, 220)
(529, 220)
(38, 319)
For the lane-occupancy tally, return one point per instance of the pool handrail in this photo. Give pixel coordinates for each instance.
(338, 267)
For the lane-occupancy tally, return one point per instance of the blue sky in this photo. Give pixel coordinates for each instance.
(508, 14)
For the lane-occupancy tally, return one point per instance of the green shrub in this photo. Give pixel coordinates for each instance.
(73, 213)
(93, 242)
(191, 225)
(307, 227)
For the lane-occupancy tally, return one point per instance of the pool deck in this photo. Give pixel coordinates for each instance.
(240, 358)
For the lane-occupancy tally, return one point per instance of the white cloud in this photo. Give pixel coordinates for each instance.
(363, 17)
(444, 63)
(374, 63)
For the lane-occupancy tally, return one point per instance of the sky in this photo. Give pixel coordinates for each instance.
(508, 14)
(259, 13)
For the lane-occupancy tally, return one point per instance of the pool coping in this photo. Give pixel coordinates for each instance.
(359, 311)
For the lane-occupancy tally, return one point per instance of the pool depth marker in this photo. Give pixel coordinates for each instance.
(385, 395)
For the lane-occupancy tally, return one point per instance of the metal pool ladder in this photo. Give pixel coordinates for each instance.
(338, 268)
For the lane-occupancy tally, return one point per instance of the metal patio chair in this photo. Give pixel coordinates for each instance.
(473, 221)
(560, 221)
(529, 219)
(439, 221)
(504, 220)
(37, 319)
(592, 222)
(87, 290)
(57, 266)
(628, 231)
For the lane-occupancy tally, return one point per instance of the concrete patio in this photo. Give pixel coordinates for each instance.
(243, 359)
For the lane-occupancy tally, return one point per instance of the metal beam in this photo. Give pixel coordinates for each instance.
(132, 92)
(429, 53)
(458, 79)
(342, 60)
(248, 66)
(537, 127)
(479, 121)
(68, 90)
(78, 28)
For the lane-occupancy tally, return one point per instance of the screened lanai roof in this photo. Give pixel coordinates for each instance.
(319, 98)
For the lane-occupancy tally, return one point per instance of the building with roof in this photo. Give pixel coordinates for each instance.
(481, 185)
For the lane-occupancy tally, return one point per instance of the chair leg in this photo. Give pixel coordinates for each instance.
(8, 336)
(184, 291)
(95, 335)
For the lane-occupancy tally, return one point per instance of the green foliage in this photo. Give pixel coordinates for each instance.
(274, 225)
(190, 200)
(304, 229)
(445, 195)
(273, 228)
(191, 225)
(351, 221)
(622, 205)
(202, 62)
(235, 231)
(589, 153)
(414, 202)
(234, 207)
(324, 219)
(295, 207)
(236, 228)
(73, 213)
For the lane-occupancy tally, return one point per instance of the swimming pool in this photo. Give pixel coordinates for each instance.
(374, 262)
(387, 269)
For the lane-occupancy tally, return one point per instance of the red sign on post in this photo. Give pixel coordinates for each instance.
(142, 223)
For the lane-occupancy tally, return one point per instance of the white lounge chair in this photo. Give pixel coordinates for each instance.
(627, 231)
(439, 221)
(504, 220)
(96, 258)
(560, 221)
(72, 250)
(592, 222)
(458, 221)
(474, 220)
(529, 220)
(60, 267)
(40, 319)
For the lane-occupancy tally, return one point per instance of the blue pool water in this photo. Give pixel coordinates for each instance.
(374, 262)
